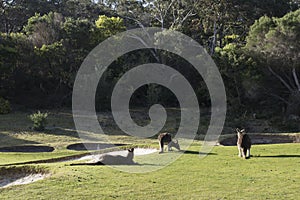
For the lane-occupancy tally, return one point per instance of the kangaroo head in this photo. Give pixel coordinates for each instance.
(176, 144)
(240, 133)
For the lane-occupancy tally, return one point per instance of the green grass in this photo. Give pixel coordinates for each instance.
(14, 158)
(221, 175)
(272, 173)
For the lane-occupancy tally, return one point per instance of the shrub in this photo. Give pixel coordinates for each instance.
(4, 106)
(39, 120)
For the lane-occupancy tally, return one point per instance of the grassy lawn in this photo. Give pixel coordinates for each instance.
(272, 173)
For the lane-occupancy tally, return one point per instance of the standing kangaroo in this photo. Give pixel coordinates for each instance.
(243, 143)
(107, 159)
(166, 138)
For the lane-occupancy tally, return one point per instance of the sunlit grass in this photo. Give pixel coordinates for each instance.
(221, 175)
(272, 173)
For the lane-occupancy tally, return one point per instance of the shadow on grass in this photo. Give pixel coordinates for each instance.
(62, 132)
(92, 146)
(149, 164)
(197, 152)
(9, 140)
(101, 164)
(278, 156)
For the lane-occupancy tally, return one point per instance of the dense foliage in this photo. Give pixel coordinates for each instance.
(39, 120)
(254, 43)
(275, 42)
(4, 106)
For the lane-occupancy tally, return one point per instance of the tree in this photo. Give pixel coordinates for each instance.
(276, 42)
(44, 29)
(15, 13)
(77, 33)
(78, 9)
(172, 14)
(241, 77)
(16, 59)
(110, 25)
(216, 20)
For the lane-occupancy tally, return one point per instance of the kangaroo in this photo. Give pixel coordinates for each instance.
(107, 159)
(243, 143)
(167, 138)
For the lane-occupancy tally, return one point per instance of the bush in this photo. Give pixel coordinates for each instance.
(39, 120)
(4, 106)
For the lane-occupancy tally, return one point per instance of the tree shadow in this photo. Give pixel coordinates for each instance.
(278, 156)
(8, 140)
(61, 132)
(197, 152)
(101, 164)
(93, 146)
(148, 164)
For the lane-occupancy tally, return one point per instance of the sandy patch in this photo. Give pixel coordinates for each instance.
(21, 175)
(11, 181)
(137, 152)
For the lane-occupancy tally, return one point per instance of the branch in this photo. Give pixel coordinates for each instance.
(153, 52)
(168, 8)
(290, 79)
(213, 42)
(174, 17)
(189, 14)
(146, 45)
(139, 23)
(160, 20)
(296, 79)
(280, 98)
(281, 79)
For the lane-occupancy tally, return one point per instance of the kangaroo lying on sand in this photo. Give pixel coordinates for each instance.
(243, 143)
(107, 159)
(166, 138)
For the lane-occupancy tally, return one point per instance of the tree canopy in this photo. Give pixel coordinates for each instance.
(276, 42)
(254, 43)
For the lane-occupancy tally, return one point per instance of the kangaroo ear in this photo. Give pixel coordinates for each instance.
(237, 130)
(243, 130)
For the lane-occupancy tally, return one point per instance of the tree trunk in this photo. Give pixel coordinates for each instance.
(293, 107)
(213, 42)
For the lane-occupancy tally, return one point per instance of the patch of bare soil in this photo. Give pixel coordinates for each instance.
(256, 138)
(27, 148)
(20, 175)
